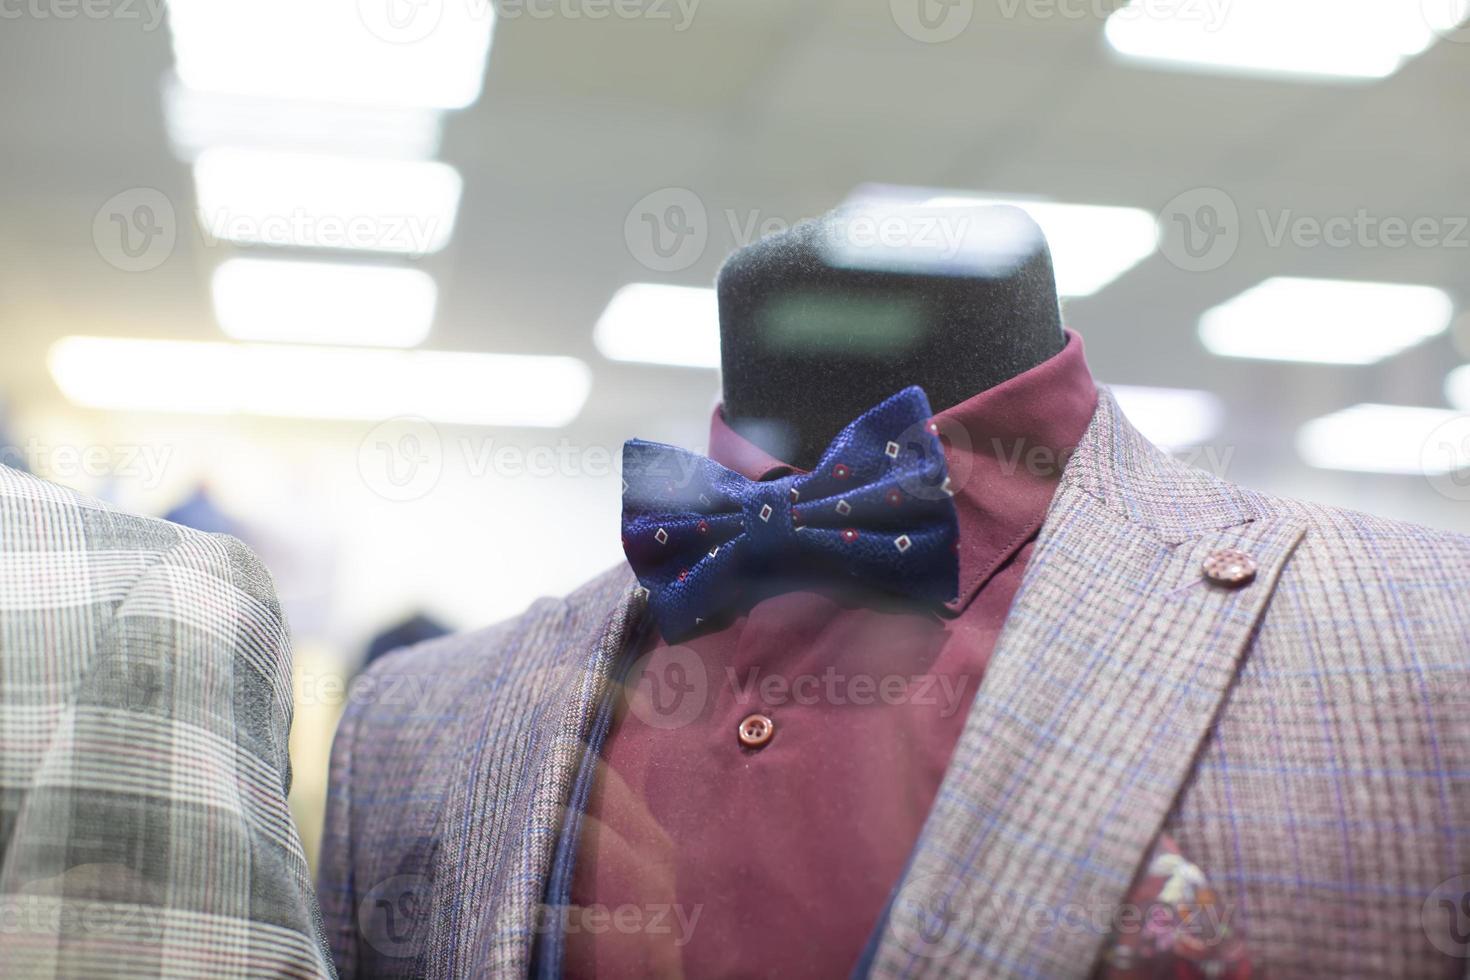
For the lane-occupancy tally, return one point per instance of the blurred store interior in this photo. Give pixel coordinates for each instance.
(340, 278)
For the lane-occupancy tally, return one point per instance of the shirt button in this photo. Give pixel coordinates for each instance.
(755, 731)
(1230, 567)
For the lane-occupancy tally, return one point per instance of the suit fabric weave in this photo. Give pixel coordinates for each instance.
(1302, 738)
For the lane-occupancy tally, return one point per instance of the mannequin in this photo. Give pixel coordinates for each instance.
(818, 324)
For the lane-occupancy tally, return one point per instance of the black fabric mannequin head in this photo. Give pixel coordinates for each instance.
(809, 338)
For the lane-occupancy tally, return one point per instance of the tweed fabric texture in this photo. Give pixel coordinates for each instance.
(450, 774)
(145, 704)
(1302, 738)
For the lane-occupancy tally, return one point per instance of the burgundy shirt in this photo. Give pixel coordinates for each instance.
(701, 857)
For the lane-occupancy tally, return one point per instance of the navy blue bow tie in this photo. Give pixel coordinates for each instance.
(876, 508)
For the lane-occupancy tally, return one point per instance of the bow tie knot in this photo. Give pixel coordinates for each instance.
(770, 518)
(877, 508)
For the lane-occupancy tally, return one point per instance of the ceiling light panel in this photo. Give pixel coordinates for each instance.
(319, 382)
(1325, 321)
(660, 324)
(323, 303)
(389, 53)
(304, 200)
(1403, 439)
(1091, 245)
(1171, 418)
(1323, 39)
(199, 120)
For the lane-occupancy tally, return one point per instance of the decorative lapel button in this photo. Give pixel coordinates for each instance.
(755, 731)
(1230, 567)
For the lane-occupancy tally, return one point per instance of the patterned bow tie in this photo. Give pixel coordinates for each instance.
(876, 508)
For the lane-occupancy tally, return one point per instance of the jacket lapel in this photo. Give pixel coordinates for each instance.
(500, 831)
(1110, 670)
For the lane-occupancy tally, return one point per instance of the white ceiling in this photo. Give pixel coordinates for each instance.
(778, 110)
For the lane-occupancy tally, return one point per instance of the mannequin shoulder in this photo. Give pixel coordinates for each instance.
(523, 662)
(82, 553)
(1339, 540)
(1404, 583)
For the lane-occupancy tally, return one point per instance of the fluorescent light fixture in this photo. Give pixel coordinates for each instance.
(198, 120)
(1091, 244)
(323, 303)
(1171, 418)
(1457, 388)
(1325, 321)
(380, 52)
(319, 382)
(659, 324)
(1388, 439)
(1321, 38)
(305, 200)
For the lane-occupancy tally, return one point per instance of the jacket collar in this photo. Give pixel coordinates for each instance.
(1006, 450)
(1111, 667)
(1106, 679)
(497, 837)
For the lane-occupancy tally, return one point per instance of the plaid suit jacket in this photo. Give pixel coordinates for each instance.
(145, 701)
(1303, 738)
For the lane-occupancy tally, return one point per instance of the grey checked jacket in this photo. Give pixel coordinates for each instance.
(1304, 738)
(145, 702)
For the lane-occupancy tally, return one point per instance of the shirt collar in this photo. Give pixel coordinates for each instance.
(1005, 447)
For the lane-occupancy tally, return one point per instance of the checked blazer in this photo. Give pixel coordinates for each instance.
(1304, 738)
(145, 703)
